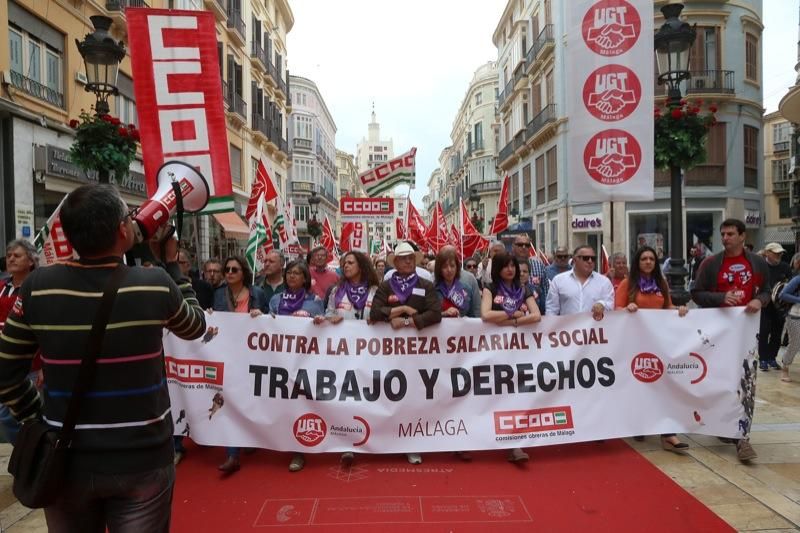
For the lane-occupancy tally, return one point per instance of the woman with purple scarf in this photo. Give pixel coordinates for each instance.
(406, 301)
(456, 298)
(646, 288)
(296, 300)
(351, 298)
(506, 302)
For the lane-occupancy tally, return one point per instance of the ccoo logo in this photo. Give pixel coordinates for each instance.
(310, 429)
(612, 92)
(612, 157)
(611, 27)
(647, 367)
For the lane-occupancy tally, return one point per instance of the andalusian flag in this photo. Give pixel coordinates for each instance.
(257, 240)
(385, 177)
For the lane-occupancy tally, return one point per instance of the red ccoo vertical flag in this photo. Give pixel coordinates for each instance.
(416, 229)
(500, 221)
(400, 229)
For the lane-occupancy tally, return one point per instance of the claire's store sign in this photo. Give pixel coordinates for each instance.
(587, 223)
(752, 218)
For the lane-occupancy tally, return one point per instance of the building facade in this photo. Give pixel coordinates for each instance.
(789, 109)
(471, 165)
(43, 89)
(777, 181)
(726, 71)
(312, 135)
(349, 185)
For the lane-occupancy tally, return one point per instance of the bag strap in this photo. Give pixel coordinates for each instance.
(88, 364)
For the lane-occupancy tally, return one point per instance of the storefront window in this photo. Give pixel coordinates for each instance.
(649, 229)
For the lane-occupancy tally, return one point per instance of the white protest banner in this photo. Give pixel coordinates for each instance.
(284, 384)
(610, 57)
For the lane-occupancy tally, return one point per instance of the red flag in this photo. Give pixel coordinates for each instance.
(416, 228)
(605, 266)
(471, 240)
(262, 185)
(500, 221)
(455, 240)
(400, 229)
(328, 240)
(347, 232)
(543, 258)
(438, 234)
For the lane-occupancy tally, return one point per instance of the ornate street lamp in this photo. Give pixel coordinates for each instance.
(673, 46)
(313, 225)
(102, 56)
(475, 204)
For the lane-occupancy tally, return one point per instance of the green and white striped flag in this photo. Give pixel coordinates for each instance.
(258, 237)
(385, 177)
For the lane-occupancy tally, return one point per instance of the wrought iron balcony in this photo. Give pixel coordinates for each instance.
(259, 125)
(237, 105)
(484, 187)
(257, 52)
(545, 38)
(120, 5)
(236, 24)
(506, 94)
(37, 90)
(506, 152)
(519, 139)
(779, 186)
(303, 186)
(282, 86)
(545, 116)
(704, 82)
(225, 96)
(780, 146)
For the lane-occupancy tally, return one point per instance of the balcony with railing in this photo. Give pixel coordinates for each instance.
(298, 143)
(506, 94)
(704, 82)
(486, 187)
(225, 96)
(118, 6)
(282, 86)
(519, 139)
(519, 73)
(236, 27)
(237, 106)
(259, 55)
(37, 90)
(780, 186)
(539, 47)
(506, 152)
(218, 8)
(259, 126)
(780, 146)
(546, 116)
(303, 186)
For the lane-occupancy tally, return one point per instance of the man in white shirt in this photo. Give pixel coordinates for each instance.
(581, 289)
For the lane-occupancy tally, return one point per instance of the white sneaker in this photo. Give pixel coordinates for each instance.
(414, 458)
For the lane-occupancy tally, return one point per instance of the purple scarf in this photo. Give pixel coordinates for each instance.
(402, 286)
(357, 294)
(291, 302)
(648, 286)
(456, 293)
(512, 298)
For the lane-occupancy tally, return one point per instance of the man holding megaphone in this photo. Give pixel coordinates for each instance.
(119, 457)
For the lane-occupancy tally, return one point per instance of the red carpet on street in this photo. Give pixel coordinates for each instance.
(598, 486)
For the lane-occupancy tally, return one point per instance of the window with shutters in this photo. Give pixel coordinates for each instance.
(527, 199)
(750, 157)
(751, 57)
(710, 173)
(236, 165)
(549, 88)
(540, 181)
(536, 98)
(705, 51)
(514, 203)
(552, 174)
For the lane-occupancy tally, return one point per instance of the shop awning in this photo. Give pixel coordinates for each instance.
(233, 225)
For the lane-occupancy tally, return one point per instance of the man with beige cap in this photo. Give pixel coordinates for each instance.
(772, 319)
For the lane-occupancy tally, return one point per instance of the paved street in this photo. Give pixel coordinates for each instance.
(762, 497)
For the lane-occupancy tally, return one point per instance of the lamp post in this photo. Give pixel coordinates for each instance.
(313, 224)
(673, 46)
(475, 204)
(102, 56)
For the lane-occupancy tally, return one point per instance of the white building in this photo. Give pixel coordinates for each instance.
(372, 150)
(312, 137)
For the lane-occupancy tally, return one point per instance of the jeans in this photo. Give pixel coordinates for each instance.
(125, 503)
(8, 425)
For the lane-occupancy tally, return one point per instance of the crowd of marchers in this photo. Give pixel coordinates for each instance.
(44, 312)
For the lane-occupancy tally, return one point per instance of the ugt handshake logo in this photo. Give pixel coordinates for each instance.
(612, 157)
(611, 27)
(612, 92)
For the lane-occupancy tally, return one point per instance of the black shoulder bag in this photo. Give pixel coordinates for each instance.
(39, 459)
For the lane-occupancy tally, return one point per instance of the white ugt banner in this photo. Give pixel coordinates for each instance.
(282, 383)
(610, 108)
